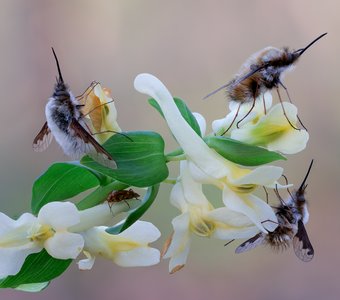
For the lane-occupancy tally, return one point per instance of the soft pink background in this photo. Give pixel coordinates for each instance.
(193, 47)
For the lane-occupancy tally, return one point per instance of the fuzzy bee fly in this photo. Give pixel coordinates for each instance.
(292, 216)
(65, 124)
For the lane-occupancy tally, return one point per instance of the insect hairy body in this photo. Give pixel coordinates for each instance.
(64, 121)
(292, 214)
(262, 71)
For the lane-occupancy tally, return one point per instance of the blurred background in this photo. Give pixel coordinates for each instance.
(193, 47)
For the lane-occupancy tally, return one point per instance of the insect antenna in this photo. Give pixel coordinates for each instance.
(301, 51)
(56, 60)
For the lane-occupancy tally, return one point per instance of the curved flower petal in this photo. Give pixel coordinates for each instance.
(260, 213)
(221, 125)
(139, 257)
(141, 232)
(274, 132)
(179, 248)
(86, 263)
(181, 237)
(201, 122)
(60, 215)
(64, 245)
(231, 224)
(194, 147)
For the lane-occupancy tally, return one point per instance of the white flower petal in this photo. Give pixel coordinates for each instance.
(181, 236)
(141, 232)
(194, 147)
(86, 263)
(7, 225)
(138, 257)
(260, 213)
(64, 245)
(177, 198)
(262, 175)
(59, 215)
(178, 260)
(201, 122)
(291, 142)
(191, 189)
(12, 259)
(231, 224)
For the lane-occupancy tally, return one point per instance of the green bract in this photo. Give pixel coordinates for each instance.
(185, 112)
(38, 268)
(61, 181)
(242, 153)
(139, 156)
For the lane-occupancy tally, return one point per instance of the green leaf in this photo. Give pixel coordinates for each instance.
(185, 111)
(61, 181)
(136, 214)
(242, 153)
(32, 287)
(37, 268)
(139, 156)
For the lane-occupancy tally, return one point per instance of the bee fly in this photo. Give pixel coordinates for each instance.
(65, 124)
(291, 215)
(261, 72)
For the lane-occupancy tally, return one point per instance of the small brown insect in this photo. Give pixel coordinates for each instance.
(291, 215)
(121, 195)
(261, 72)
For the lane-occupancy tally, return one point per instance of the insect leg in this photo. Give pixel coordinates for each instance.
(238, 110)
(284, 111)
(290, 100)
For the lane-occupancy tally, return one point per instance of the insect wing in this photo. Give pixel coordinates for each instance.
(251, 243)
(43, 139)
(92, 147)
(302, 246)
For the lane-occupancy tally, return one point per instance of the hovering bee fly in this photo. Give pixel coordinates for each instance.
(65, 124)
(261, 72)
(292, 216)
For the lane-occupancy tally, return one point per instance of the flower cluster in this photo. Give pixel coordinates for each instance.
(65, 230)
(243, 213)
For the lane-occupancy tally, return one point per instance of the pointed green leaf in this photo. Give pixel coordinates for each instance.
(185, 111)
(139, 156)
(242, 153)
(136, 214)
(38, 268)
(61, 181)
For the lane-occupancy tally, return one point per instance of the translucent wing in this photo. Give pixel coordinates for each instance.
(302, 246)
(252, 243)
(43, 139)
(91, 146)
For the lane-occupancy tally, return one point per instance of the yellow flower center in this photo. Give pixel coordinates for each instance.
(44, 233)
(198, 224)
(243, 188)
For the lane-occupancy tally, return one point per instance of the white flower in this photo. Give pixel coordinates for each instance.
(30, 234)
(273, 131)
(199, 217)
(57, 228)
(207, 166)
(270, 130)
(262, 103)
(128, 249)
(101, 112)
